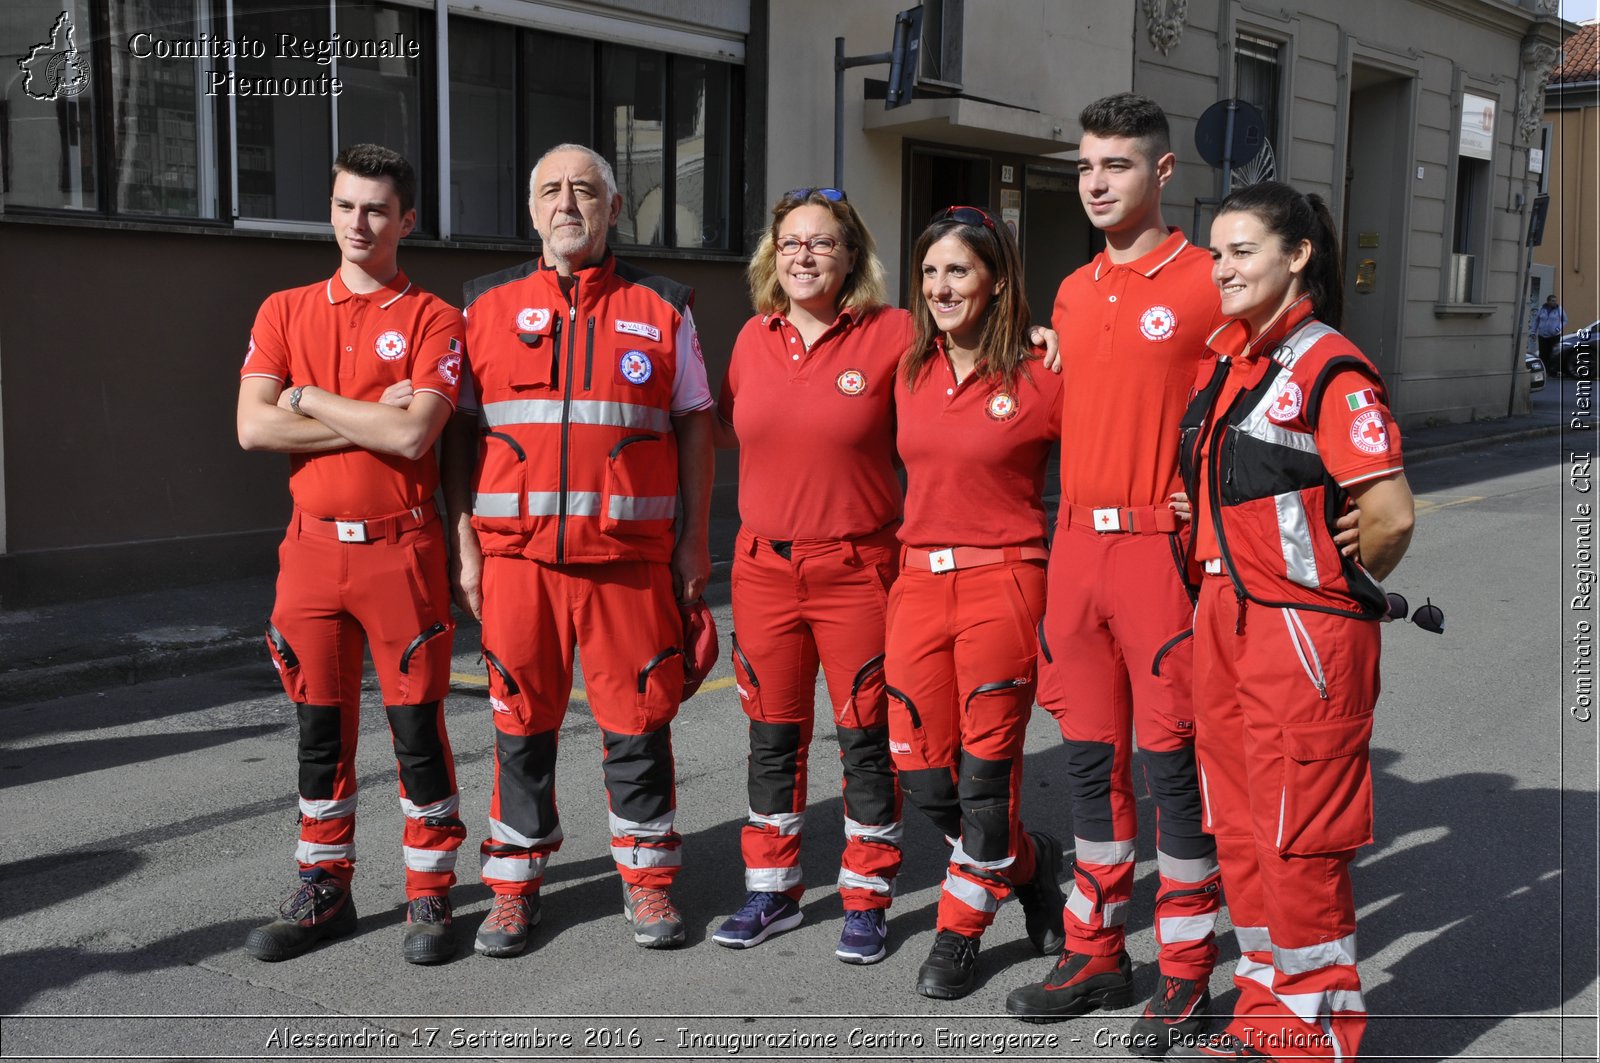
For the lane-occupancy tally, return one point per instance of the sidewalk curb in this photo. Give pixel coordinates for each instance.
(108, 673)
(1443, 450)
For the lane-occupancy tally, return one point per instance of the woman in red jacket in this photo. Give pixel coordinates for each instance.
(1288, 429)
(977, 417)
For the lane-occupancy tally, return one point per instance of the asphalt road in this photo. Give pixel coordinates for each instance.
(148, 828)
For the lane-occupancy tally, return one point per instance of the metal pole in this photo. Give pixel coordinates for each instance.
(838, 112)
(1227, 148)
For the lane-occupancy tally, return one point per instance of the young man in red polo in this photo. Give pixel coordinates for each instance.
(354, 378)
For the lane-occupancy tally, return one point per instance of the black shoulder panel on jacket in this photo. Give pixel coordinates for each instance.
(681, 296)
(478, 285)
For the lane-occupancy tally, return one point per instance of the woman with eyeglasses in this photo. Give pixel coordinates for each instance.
(1288, 428)
(808, 400)
(977, 417)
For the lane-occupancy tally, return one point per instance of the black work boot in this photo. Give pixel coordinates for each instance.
(430, 932)
(1041, 897)
(1080, 983)
(948, 972)
(318, 909)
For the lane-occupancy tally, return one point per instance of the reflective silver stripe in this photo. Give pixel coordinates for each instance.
(1300, 341)
(1255, 971)
(1308, 958)
(1116, 913)
(583, 411)
(1258, 427)
(642, 507)
(511, 868)
(620, 826)
(505, 835)
(494, 504)
(1104, 852)
(782, 822)
(1185, 871)
(1186, 928)
(1310, 661)
(849, 880)
(312, 853)
(548, 503)
(1309, 1007)
(1081, 906)
(771, 879)
(1253, 938)
(328, 809)
(626, 854)
(959, 855)
(445, 809)
(970, 893)
(430, 859)
(1294, 538)
(1205, 795)
(888, 832)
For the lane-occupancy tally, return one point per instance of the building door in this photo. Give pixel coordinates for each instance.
(1057, 236)
(1374, 222)
(937, 179)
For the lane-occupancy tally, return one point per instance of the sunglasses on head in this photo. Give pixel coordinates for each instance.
(965, 216)
(832, 195)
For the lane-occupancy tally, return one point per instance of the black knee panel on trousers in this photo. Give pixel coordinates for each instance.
(527, 782)
(985, 790)
(420, 752)
(934, 791)
(320, 749)
(774, 762)
(638, 772)
(1089, 767)
(1174, 783)
(868, 774)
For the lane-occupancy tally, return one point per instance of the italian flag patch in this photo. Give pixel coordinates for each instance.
(1360, 400)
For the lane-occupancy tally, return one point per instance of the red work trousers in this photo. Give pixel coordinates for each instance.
(389, 594)
(1115, 662)
(623, 620)
(960, 667)
(797, 605)
(1284, 701)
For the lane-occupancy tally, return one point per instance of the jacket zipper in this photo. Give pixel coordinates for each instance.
(588, 357)
(566, 425)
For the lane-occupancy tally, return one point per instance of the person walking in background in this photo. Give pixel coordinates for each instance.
(977, 416)
(1549, 322)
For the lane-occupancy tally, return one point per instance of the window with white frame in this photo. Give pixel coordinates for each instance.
(1469, 233)
(234, 108)
(1258, 80)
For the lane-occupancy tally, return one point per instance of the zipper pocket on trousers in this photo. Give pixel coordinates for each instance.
(416, 644)
(1306, 650)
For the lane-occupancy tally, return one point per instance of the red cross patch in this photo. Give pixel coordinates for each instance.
(1287, 405)
(390, 345)
(851, 382)
(1369, 433)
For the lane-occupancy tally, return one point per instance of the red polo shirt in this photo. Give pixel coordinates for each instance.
(1357, 437)
(816, 427)
(356, 346)
(1131, 337)
(975, 456)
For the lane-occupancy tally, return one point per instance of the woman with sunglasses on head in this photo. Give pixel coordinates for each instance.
(808, 402)
(977, 416)
(1289, 428)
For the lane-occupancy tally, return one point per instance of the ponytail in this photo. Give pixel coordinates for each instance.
(1293, 216)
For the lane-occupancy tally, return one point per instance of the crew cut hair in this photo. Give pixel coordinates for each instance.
(374, 161)
(1128, 114)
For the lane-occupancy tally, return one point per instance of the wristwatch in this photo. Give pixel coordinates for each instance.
(294, 399)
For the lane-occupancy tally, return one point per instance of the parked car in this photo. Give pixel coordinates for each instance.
(1535, 370)
(1574, 353)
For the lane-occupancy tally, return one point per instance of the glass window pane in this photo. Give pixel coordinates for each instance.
(47, 117)
(557, 100)
(1257, 72)
(486, 190)
(162, 124)
(382, 98)
(283, 140)
(631, 110)
(701, 110)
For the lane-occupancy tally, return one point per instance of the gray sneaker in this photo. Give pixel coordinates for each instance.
(506, 928)
(655, 919)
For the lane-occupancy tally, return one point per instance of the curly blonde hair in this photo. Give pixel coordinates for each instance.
(864, 289)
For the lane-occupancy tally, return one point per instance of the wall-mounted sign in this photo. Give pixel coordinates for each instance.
(1536, 160)
(1477, 126)
(1367, 240)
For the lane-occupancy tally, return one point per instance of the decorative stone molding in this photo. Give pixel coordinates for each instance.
(1165, 21)
(1538, 59)
(1547, 7)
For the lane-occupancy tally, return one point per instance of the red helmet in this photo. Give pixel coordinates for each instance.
(699, 645)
